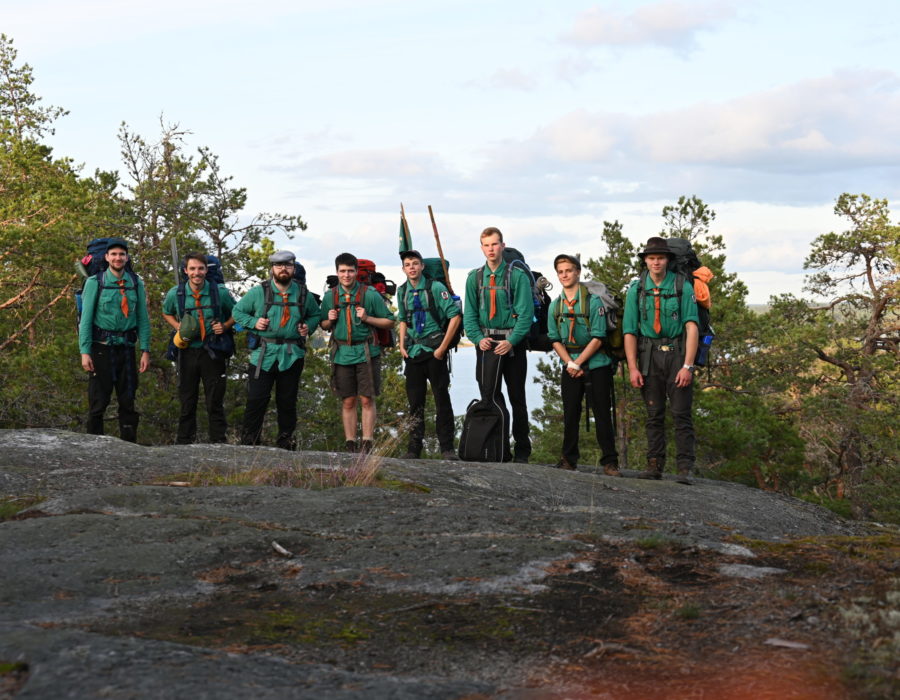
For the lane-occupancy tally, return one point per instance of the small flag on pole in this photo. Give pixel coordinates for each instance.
(405, 236)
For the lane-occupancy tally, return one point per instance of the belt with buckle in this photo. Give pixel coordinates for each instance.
(664, 348)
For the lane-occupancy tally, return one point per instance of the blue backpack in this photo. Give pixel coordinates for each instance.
(94, 264)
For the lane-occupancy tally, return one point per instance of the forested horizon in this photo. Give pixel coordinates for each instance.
(801, 397)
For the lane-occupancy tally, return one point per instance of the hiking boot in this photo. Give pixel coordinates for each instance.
(654, 469)
(563, 463)
(286, 442)
(350, 446)
(449, 456)
(611, 469)
(684, 476)
(366, 446)
(520, 459)
(409, 454)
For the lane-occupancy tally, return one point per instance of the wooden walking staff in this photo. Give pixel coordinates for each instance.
(440, 250)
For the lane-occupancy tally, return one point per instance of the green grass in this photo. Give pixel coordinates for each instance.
(10, 506)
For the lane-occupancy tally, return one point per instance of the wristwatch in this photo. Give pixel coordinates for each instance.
(689, 368)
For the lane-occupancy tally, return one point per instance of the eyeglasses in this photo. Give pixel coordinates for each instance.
(283, 265)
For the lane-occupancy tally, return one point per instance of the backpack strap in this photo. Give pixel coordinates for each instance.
(359, 300)
(506, 285)
(584, 312)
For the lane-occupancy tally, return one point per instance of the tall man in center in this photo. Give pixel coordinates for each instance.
(429, 319)
(351, 311)
(497, 317)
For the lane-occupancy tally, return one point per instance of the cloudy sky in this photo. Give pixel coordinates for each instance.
(544, 119)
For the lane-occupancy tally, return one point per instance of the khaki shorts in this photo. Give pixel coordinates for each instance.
(357, 380)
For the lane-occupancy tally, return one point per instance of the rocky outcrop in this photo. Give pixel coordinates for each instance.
(447, 579)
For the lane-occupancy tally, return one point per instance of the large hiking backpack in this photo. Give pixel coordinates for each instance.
(253, 338)
(614, 344)
(383, 337)
(537, 338)
(688, 270)
(430, 309)
(221, 344)
(368, 275)
(94, 264)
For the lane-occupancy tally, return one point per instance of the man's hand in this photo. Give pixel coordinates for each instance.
(145, 362)
(87, 364)
(361, 313)
(303, 329)
(485, 344)
(333, 314)
(218, 328)
(439, 354)
(684, 377)
(637, 379)
(503, 347)
(261, 324)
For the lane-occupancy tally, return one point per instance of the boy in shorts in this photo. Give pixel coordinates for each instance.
(351, 311)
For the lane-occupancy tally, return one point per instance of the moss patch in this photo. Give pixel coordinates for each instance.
(11, 506)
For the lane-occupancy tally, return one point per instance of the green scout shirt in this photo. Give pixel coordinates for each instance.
(106, 312)
(349, 327)
(476, 312)
(558, 332)
(674, 312)
(226, 304)
(252, 306)
(442, 303)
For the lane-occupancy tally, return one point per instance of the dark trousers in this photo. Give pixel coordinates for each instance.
(597, 385)
(195, 366)
(114, 368)
(514, 370)
(418, 374)
(659, 387)
(259, 389)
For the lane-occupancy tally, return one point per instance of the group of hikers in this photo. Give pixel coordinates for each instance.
(659, 323)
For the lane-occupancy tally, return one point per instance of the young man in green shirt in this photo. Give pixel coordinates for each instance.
(281, 314)
(577, 328)
(429, 319)
(351, 313)
(660, 345)
(198, 361)
(114, 320)
(497, 317)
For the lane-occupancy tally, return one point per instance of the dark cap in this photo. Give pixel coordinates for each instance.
(567, 258)
(117, 243)
(410, 254)
(282, 257)
(656, 246)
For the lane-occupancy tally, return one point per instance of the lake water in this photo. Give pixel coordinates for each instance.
(464, 387)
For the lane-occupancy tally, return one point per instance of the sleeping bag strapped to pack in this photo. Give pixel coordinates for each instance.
(221, 344)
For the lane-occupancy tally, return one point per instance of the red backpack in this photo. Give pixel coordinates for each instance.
(367, 276)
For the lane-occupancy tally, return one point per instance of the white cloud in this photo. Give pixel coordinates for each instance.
(844, 120)
(512, 79)
(580, 137)
(667, 23)
(376, 163)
